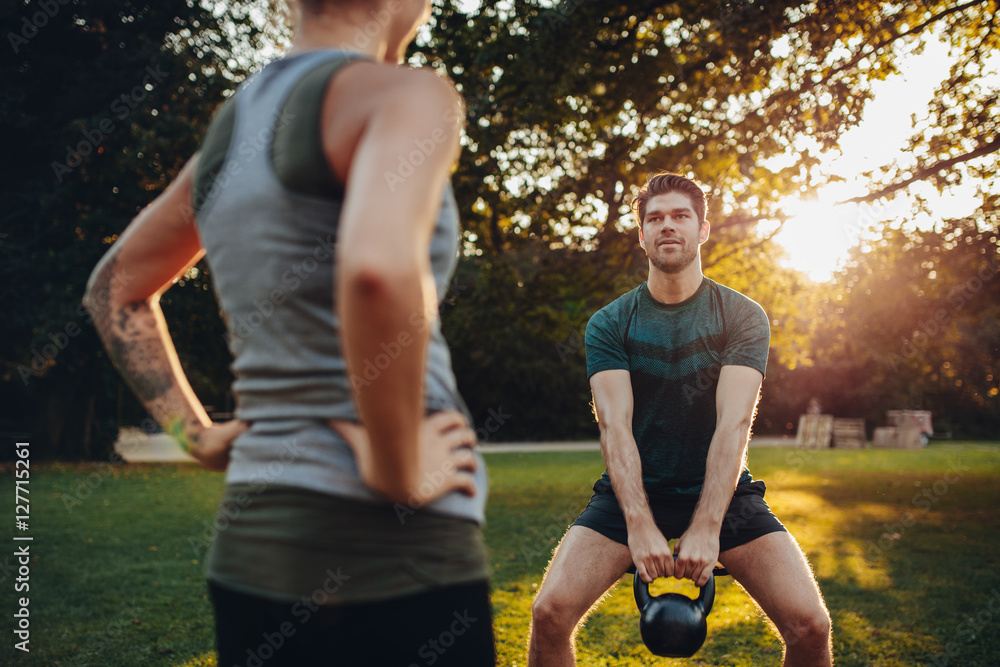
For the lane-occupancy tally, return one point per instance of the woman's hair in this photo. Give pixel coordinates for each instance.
(661, 184)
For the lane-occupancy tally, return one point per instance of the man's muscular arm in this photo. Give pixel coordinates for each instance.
(613, 401)
(736, 401)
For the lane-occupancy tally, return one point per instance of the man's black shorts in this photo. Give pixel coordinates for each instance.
(748, 516)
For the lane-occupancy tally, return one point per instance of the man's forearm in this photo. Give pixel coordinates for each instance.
(726, 455)
(625, 470)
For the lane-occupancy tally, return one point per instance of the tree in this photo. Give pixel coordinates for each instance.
(104, 101)
(914, 326)
(959, 137)
(554, 152)
(572, 104)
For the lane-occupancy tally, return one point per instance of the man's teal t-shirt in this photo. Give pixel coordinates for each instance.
(674, 354)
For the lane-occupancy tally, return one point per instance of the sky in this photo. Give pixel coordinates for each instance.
(820, 234)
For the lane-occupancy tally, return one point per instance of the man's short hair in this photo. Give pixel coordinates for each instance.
(661, 184)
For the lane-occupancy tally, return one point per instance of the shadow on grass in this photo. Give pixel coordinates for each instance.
(904, 552)
(907, 565)
(904, 547)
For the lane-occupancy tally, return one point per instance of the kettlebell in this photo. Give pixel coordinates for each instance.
(673, 625)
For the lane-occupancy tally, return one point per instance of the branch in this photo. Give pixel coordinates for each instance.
(752, 246)
(780, 98)
(927, 172)
(739, 220)
(906, 33)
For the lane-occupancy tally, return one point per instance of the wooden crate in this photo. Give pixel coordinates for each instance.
(919, 419)
(814, 431)
(897, 438)
(849, 433)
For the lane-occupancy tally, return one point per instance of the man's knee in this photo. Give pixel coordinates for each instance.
(552, 616)
(810, 627)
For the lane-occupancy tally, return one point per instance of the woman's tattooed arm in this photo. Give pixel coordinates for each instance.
(123, 297)
(135, 336)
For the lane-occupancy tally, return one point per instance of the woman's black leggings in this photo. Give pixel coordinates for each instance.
(447, 627)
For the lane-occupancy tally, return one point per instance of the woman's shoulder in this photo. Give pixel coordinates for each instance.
(387, 99)
(382, 83)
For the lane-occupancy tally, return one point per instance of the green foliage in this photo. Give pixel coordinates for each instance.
(105, 101)
(516, 327)
(554, 151)
(957, 140)
(570, 105)
(915, 327)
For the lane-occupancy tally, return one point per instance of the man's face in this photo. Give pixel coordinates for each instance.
(671, 233)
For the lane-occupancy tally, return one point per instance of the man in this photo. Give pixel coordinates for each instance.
(675, 368)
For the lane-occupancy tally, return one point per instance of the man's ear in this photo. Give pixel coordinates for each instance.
(642, 239)
(706, 229)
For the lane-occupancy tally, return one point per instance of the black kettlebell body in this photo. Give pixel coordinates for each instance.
(673, 625)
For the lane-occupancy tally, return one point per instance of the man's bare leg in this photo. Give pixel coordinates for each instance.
(774, 571)
(586, 564)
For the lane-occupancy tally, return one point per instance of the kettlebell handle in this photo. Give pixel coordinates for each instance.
(705, 600)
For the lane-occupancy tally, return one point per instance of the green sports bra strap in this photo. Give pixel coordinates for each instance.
(297, 153)
(213, 152)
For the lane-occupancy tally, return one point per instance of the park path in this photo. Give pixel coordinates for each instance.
(137, 447)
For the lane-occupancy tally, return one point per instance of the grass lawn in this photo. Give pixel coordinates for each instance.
(903, 544)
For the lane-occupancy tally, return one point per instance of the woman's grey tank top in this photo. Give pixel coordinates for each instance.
(267, 209)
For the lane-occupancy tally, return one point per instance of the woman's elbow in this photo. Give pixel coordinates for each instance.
(95, 296)
(376, 278)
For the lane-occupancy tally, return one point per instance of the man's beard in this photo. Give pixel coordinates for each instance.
(673, 262)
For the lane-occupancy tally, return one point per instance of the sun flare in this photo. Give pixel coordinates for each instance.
(819, 233)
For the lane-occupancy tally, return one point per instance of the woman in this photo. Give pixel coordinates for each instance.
(354, 497)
